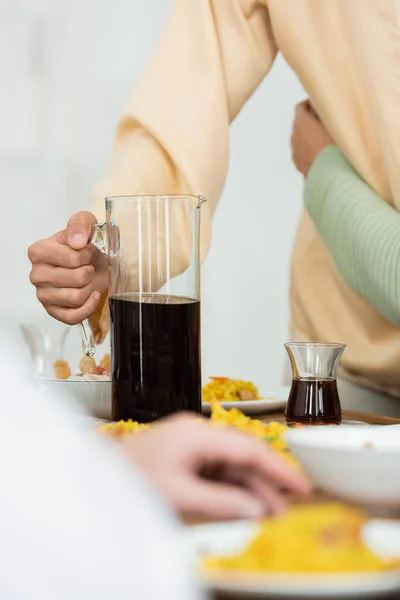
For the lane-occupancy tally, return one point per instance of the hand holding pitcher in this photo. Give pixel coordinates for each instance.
(68, 272)
(152, 245)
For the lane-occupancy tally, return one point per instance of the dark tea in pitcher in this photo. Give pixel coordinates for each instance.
(314, 401)
(155, 342)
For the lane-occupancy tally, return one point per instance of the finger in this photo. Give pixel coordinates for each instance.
(79, 229)
(312, 110)
(59, 277)
(296, 156)
(299, 164)
(53, 253)
(296, 130)
(233, 448)
(307, 116)
(73, 316)
(64, 297)
(61, 237)
(302, 107)
(215, 501)
(272, 500)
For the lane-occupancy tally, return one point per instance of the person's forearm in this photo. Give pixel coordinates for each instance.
(173, 137)
(361, 231)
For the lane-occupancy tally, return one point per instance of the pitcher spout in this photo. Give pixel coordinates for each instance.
(200, 201)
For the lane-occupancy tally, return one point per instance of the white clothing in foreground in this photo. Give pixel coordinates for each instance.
(76, 520)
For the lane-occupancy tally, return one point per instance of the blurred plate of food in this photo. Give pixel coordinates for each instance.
(90, 384)
(244, 395)
(314, 551)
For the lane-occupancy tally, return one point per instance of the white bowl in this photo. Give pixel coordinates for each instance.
(360, 464)
(94, 396)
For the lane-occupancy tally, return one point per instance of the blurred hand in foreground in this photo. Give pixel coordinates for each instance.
(214, 473)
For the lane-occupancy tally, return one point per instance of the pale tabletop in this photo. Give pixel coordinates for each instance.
(348, 415)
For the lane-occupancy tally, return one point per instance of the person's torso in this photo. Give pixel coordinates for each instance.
(347, 56)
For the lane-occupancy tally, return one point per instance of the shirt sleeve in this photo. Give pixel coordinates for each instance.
(173, 137)
(360, 230)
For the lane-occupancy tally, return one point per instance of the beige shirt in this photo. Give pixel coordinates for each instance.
(174, 134)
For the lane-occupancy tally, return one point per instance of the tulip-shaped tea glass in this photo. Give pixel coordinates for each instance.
(314, 398)
(153, 247)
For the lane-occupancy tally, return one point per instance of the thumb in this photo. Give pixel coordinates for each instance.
(79, 229)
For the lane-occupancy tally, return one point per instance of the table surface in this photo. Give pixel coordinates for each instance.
(348, 415)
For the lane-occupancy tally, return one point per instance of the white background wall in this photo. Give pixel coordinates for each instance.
(67, 69)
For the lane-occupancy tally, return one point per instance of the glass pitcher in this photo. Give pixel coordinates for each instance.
(153, 248)
(314, 397)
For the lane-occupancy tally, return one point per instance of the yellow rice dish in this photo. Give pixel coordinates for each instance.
(271, 432)
(121, 429)
(319, 538)
(223, 389)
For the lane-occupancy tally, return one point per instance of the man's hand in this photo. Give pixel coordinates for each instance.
(212, 472)
(309, 137)
(69, 273)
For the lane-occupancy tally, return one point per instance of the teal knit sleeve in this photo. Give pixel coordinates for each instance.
(361, 231)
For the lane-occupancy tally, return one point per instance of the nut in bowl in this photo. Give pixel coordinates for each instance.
(357, 464)
(90, 387)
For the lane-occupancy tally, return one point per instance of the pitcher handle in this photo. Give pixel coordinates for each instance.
(88, 345)
(99, 239)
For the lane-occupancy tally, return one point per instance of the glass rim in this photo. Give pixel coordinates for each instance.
(156, 197)
(315, 344)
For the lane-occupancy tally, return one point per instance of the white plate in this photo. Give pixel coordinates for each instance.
(268, 403)
(250, 407)
(227, 538)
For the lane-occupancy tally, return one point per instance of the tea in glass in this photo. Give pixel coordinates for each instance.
(314, 398)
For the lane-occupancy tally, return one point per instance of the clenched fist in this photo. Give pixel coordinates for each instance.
(309, 137)
(68, 272)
